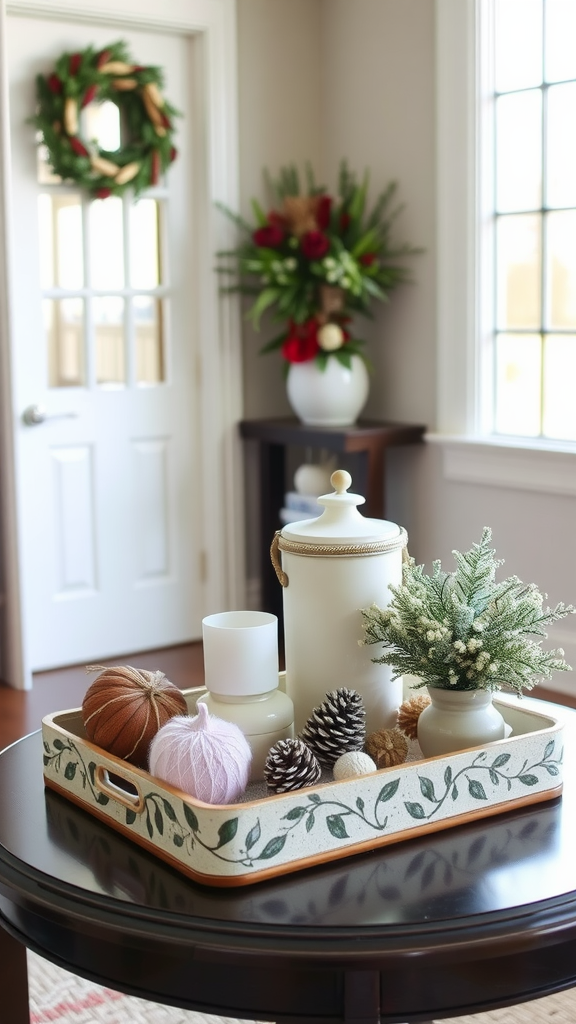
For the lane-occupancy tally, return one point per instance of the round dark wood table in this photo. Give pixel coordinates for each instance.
(474, 917)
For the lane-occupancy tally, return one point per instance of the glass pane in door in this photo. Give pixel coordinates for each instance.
(64, 327)
(106, 244)
(149, 336)
(109, 339)
(145, 260)
(61, 240)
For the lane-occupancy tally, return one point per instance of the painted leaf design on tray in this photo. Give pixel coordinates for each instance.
(360, 804)
(272, 848)
(336, 826)
(177, 840)
(500, 760)
(549, 749)
(130, 816)
(476, 789)
(448, 776)
(158, 820)
(494, 777)
(528, 779)
(388, 791)
(414, 810)
(427, 788)
(226, 832)
(253, 836)
(294, 814)
(552, 769)
(310, 822)
(168, 810)
(454, 793)
(191, 818)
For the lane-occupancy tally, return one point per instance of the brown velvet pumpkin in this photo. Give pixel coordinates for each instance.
(124, 708)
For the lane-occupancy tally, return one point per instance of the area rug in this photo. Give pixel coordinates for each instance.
(58, 997)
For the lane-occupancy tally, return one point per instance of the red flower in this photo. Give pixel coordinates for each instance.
(367, 259)
(103, 58)
(103, 193)
(277, 220)
(315, 245)
(301, 345)
(269, 237)
(75, 62)
(89, 95)
(54, 84)
(344, 221)
(323, 212)
(78, 147)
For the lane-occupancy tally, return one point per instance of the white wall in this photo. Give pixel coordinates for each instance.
(327, 79)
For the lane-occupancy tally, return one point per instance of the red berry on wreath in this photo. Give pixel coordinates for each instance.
(78, 147)
(54, 84)
(103, 193)
(89, 95)
(103, 58)
(75, 63)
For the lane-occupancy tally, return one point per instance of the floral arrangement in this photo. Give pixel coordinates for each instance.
(463, 630)
(94, 76)
(315, 260)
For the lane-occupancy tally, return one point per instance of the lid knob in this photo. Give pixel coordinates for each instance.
(340, 480)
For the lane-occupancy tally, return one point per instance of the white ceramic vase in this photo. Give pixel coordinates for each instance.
(458, 719)
(333, 397)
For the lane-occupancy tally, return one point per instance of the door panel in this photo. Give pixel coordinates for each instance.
(104, 339)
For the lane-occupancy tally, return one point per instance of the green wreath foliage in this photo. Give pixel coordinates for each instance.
(146, 118)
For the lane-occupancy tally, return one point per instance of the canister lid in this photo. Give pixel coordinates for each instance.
(340, 522)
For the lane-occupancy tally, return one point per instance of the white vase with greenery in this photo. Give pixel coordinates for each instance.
(464, 632)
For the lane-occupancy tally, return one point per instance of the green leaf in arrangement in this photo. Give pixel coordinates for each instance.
(264, 300)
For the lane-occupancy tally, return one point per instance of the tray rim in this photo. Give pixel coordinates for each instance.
(364, 845)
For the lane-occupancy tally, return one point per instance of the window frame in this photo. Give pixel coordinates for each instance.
(464, 318)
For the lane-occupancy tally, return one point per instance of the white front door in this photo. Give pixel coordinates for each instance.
(103, 300)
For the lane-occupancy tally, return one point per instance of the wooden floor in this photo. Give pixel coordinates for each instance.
(22, 712)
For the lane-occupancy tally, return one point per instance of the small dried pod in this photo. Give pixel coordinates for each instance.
(71, 115)
(290, 764)
(117, 67)
(151, 108)
(124, 708)
(125, 84)
(103, 166)
(152, 90)
(387, 747)
(126, 173)
(409, 712)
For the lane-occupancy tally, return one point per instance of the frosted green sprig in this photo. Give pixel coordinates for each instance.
(464, 630)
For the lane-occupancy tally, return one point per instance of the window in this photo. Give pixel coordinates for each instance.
(531, 229)
(104, 285)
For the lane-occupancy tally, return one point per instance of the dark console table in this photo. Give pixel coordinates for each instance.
(478, 916)
(371, 438)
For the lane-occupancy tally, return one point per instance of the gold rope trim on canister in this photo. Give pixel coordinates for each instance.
(281, 543)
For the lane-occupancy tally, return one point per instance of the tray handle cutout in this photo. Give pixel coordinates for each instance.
(119, 788)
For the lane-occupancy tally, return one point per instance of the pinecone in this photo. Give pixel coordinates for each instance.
(290, 764)
(409, 712)
(337, 726)
(387, 747)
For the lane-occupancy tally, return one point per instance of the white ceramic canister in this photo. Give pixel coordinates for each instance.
(331, 567)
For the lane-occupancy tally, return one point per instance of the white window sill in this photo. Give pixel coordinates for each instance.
(545, 466)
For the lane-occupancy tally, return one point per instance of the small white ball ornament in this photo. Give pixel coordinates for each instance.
(203, 756)
(330, 337)
(352, 764)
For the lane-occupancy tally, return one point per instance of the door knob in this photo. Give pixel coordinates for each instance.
(35, 414)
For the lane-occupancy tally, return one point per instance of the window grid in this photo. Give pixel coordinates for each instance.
(544, 329)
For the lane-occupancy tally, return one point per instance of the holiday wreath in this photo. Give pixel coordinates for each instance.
(94, 76)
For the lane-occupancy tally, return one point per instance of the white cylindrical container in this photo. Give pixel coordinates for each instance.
(332, 567)
(241, 675)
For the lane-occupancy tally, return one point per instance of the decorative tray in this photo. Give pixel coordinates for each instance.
(263, 836)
